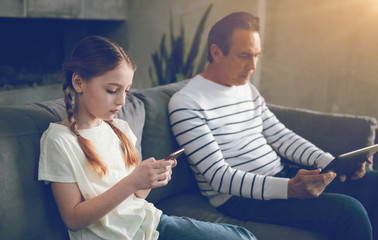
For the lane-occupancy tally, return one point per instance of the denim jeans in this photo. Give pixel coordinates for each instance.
(184, 228)
(346, 210)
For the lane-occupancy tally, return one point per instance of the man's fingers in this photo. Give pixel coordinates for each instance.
(358, 174)
(309, 172)
(342, 178)
(329, 176)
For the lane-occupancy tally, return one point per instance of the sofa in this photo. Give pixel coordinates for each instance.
(27, 207)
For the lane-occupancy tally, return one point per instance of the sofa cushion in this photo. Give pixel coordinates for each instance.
(133, 112)
(158, 140)
(376, 142)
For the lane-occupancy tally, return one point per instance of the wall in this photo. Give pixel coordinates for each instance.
(67, 9)
(38, 35)
(317, 54)
(321, 55)
(149, 20)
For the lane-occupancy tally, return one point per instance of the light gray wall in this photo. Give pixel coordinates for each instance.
(322, 55)
(317, 54)
(149, 20)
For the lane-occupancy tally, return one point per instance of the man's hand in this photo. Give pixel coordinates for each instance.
(309, 184)
(359, 173)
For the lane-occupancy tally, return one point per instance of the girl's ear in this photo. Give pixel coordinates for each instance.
(77, 83)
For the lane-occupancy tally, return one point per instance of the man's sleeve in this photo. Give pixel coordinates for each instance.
(212, 172)
(290, 145)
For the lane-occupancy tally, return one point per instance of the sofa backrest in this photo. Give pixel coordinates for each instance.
(158, 140)
(27, 210)
(27, 207)
(333, 132)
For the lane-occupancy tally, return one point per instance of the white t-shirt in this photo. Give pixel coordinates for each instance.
(62, 160)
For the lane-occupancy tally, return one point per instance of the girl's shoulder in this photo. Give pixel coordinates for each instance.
(57, 132)
(121, 124)
(124, 127)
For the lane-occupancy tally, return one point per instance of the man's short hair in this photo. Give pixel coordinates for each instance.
(221, 32)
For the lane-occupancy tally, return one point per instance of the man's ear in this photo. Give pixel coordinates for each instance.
(216, 52)
(77, 83)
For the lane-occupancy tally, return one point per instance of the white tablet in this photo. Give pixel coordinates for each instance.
(366, 152)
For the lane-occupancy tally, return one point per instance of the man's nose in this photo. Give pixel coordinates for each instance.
(252, 64)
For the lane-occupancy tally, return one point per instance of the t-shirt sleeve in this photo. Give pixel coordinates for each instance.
(54, 163)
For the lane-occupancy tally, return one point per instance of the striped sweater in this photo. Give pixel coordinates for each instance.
(234, 142)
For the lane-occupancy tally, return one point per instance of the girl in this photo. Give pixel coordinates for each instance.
(89, 158)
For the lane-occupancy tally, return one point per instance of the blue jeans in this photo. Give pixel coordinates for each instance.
(184, 228)
(345, 210)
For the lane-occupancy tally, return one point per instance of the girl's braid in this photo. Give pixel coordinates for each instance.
(87, 147)
(128, 148)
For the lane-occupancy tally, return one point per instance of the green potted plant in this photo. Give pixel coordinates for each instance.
(178, 62)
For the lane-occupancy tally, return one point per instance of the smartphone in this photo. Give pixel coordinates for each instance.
(175, 155)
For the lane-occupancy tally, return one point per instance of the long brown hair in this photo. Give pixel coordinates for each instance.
(94, 56)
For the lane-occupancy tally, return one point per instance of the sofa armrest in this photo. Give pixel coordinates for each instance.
(334, 133)
(376, 142)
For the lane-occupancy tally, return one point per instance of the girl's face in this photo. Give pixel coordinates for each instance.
(101, 97)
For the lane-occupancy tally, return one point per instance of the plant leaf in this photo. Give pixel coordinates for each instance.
(196, 42)
(158, 66)
(163, 49)
(169, 63)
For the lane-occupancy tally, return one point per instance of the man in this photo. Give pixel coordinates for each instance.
(234, 143)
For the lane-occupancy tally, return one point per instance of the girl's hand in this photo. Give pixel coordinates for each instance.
(174, 164)
(78, 213)
(151, 174)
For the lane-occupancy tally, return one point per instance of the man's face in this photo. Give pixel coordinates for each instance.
(238, 66)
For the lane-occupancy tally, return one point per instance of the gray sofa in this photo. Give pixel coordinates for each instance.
(28, 210)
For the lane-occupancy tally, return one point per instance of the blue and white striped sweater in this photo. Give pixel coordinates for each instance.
(232, 139)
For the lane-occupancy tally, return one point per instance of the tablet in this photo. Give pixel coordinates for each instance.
(347, 163)
(363, 152)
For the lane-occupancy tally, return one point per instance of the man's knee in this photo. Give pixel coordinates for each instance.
(352, 213)
(350, 206)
